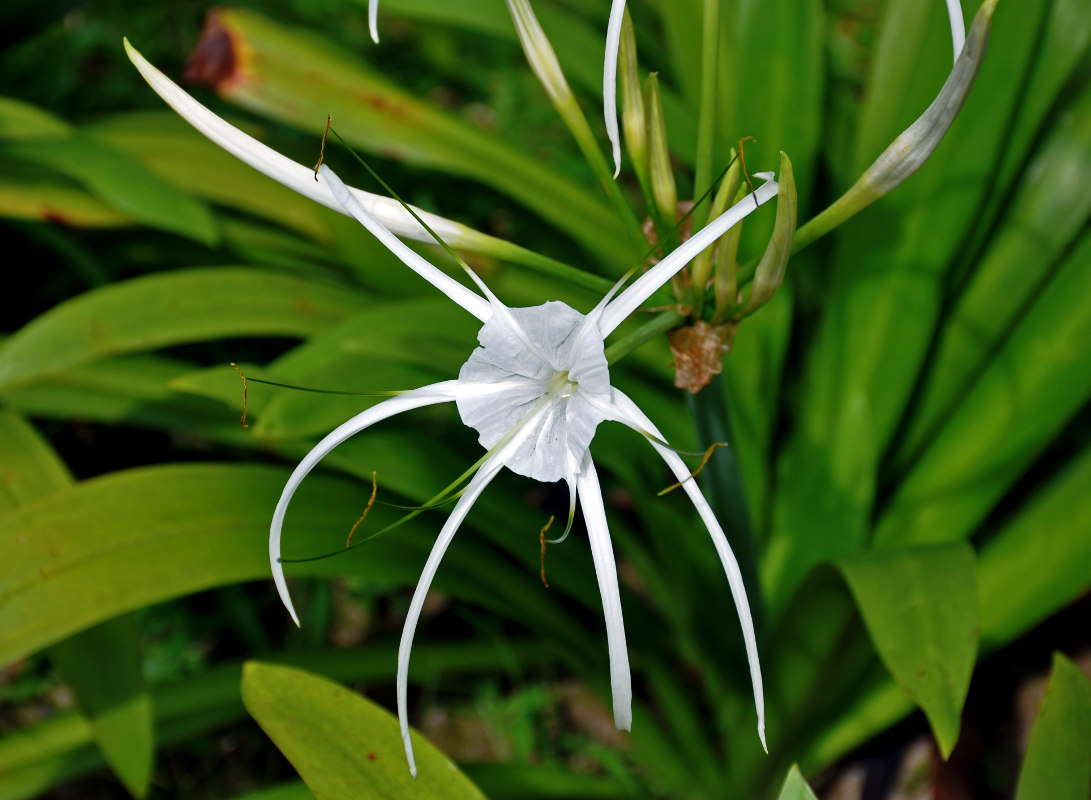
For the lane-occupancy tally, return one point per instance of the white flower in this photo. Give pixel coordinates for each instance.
(535, 390)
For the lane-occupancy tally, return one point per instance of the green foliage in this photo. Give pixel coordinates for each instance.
(920, 608)
(342, 744)
(910, 408)
(1058, 762)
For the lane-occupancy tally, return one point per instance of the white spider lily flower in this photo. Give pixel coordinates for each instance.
(613, 45)
(535, 391)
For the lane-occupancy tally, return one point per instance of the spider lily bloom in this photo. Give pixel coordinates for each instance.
(535, 391)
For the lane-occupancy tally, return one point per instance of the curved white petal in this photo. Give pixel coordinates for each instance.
(958, 26)
(609, 80)
(474, 303)
(283, 170)
(602, 552)
(373, 19)
(447, 533)
(643, 287)
(477, 484)
(427, 395)
(628, 413)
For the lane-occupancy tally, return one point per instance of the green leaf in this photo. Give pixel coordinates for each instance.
(171, 308)
(21, 120)
(121, 182)
(342, 745)
(29, 466)
(1037, 563)
(1043, 219)
(103, 664)
(796, 787)
(1058, 761)
(45, 200)
(920, 608)
(117, 543)
(1032, 387)
(167, 146)
(60, 747)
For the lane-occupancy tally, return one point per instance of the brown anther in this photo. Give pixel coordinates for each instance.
(370, 503)
(239, 370)
(696, 472)
(542, 541)
(322, 148)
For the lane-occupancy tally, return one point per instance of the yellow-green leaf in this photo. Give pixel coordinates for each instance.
(342, 745)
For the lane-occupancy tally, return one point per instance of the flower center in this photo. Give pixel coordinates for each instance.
(560, 386)
(552, 382)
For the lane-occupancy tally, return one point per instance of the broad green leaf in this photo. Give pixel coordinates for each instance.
(891, 264)
(29, 467)
(822, 506)
(167, 146)
(1032, 386)
(779, 44)
(21, 120)
(132, 390)
(59, 748)
(920, 608)
(171, 308)
(1058, 761)
(753, 372)
(341, 744)
(1037, 562)
(1044, 216)
(397, 345)
(129, 539)
(121, 182)
(1064, 42)
(52, 201)
(102, 664)
(795, 787)
(376, 116)
(120, 542)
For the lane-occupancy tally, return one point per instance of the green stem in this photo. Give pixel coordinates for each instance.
(727, 496)
(706, 120)
(585, 139)
(657, 325)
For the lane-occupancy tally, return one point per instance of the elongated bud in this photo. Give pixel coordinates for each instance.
(770, 271)
(701, 268)
(540, 55)
(725, 285)
(659, 159)
(633, 122)
(913, 147)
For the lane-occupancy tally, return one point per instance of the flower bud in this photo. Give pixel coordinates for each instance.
(540, 55)
(770, 271)
(659, 159)
(633, 121)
